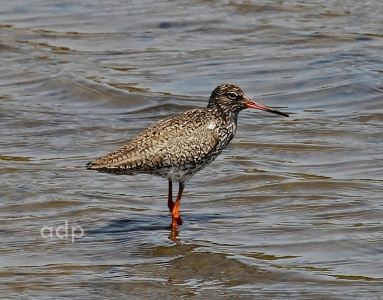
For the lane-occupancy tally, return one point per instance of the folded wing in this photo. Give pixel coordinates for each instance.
(176, 141)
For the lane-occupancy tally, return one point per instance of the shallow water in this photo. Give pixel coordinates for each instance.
(291, 209)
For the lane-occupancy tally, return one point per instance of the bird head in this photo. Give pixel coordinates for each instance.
(229, 98)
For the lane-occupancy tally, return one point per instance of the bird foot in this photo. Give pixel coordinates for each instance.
(173, 236)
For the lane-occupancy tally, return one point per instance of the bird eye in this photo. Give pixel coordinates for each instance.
(232, 95)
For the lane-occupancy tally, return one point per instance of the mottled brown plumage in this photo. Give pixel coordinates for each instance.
(167, 148)
(178, 147)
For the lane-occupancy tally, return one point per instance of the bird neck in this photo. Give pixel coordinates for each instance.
(228, 115)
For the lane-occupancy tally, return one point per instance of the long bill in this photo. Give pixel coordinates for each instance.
(251, 104)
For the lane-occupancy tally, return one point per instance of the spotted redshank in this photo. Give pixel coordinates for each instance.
(178, 147)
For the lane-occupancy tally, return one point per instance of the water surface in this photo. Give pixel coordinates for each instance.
(291, 209)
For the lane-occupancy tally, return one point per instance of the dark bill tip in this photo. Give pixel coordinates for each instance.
(274, 111)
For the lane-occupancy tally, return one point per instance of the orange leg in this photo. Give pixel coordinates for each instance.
(170, 197)
(176, 219)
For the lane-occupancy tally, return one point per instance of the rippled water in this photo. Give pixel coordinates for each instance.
(292, 209)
